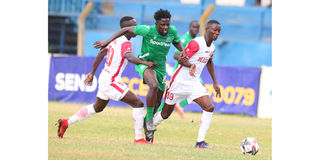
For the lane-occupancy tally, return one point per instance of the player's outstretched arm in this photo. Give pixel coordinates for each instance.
(104, 43)
(96, 63)
(210, 67)
(133, 59)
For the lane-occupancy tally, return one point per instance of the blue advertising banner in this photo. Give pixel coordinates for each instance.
(239, 88)
(239, 85)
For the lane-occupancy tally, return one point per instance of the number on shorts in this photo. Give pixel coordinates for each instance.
(170, 96)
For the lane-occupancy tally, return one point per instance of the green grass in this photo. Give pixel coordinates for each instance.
(110, 135)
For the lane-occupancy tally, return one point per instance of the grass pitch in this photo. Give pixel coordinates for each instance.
(110, 134)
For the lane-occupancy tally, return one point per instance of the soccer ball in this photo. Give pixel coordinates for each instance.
(249, 146)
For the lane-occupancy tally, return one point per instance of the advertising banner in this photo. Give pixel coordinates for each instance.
(239, 88)
(239, 85)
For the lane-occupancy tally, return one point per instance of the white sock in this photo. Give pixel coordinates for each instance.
(82, 114)
(204, 125)
(137, 114)
(157, 119)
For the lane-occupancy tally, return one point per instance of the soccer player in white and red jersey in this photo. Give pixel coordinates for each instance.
(110, 84)
(185, 82)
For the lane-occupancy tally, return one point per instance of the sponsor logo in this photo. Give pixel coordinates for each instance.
(168, 39)
(159, 43)
(145, 55)
(203, 59)
(164, 79)
(74, 82)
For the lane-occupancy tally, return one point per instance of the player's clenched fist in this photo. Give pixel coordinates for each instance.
(150, 64)
(192, 70)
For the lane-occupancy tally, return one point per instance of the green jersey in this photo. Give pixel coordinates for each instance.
(155, 47)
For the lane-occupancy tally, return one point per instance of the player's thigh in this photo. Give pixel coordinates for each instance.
(205, 103)
(150, 77)
(132, 99)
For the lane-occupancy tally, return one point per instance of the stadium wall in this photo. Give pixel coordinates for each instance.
(228, 53)
(239, 85)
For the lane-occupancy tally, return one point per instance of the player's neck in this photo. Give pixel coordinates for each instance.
(208, 40)
(127, 36)
(193, 36)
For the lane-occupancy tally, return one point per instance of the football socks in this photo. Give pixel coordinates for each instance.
(204, 125)
(137, 114)
(157, 119)
(82, 114)
(149, 114)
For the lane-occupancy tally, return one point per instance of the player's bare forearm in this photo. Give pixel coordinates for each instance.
(210, 67)
(184, 62)
(182, 56)
(98, 59)
(133, 59)
(96, 63)
(119, 33)
(178, 46)
(176, 56)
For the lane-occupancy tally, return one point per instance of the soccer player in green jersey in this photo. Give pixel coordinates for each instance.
(156, 43)
(194, 28)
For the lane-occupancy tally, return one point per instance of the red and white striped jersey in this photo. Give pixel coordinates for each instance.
(116, 62)
(199, 54)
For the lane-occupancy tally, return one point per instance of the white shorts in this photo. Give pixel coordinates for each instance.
(115, 90)
(178, 91)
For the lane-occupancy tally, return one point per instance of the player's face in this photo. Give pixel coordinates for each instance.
(132, 22)
(213, 31)
(194, 29)
(163, 26)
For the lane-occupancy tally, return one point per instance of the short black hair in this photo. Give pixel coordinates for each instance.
(212, 22)
(125, 18)
(161, 13)
(193, 21)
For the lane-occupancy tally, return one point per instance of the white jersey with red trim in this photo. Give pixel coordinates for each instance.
(116, 62)
(199, 54)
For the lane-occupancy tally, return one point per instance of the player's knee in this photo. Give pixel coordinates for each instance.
(153, 85)
(209, 108)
